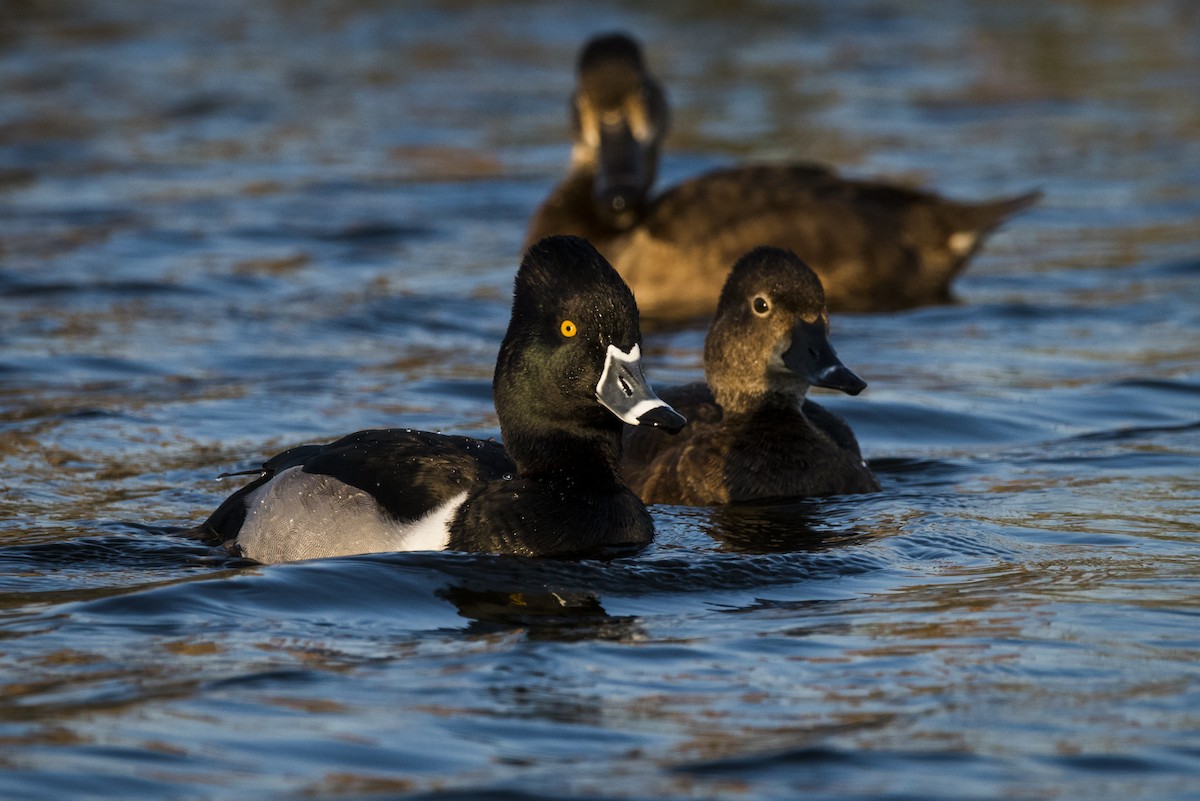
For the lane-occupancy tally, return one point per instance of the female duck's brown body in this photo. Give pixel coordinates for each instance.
(752, 434)
(874, 245)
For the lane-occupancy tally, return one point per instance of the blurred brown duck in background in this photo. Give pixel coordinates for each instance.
(752, 433)
(875, 246)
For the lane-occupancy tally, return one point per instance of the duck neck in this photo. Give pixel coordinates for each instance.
(566, 501)
(737, 403)
(586, 457)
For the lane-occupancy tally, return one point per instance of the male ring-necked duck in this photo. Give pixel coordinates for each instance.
(752, 434)
(876, 246)
(568, 375)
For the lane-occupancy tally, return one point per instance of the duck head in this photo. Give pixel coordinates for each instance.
(570, 362)
(770, 337)
(619, 119)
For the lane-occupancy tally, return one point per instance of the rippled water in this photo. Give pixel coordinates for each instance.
(227, 228)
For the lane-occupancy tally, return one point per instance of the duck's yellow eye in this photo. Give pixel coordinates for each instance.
(568, 328)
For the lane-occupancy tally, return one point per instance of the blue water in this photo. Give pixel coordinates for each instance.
(228, 228)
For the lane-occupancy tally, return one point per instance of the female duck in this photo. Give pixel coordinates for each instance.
(567, 375)
(875, 246)
(752, 433)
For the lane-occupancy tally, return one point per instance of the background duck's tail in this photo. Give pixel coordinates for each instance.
(989, 214)
(977, 220)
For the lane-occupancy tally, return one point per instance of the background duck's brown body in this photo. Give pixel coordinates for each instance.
(875, 246)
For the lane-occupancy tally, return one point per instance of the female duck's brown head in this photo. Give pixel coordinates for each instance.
(769, 341)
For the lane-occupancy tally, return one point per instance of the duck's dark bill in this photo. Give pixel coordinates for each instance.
(663, 417)
(624, 392)
(623, 177)
(813, 358)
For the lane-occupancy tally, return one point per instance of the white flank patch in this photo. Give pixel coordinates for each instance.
(431, 532)
(298, 515)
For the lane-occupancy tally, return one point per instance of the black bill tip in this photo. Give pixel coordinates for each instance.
(663, 417)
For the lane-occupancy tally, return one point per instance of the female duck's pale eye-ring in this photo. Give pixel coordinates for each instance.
(760, 305)
(568, 328)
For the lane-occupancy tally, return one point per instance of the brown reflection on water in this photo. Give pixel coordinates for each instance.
(111, 690)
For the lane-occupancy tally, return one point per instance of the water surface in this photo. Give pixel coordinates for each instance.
(228, 228)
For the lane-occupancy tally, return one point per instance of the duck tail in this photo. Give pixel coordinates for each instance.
(1000, 210)
(976, 220)
(985, 217)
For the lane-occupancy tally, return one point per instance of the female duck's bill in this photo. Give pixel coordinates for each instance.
(568, 377)
(876, 245)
